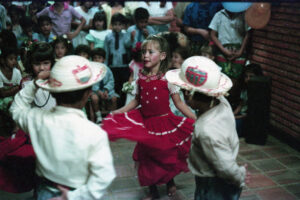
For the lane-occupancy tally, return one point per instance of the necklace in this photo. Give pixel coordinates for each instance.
(40, 106)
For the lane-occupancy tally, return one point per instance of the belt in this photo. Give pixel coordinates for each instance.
(42, 180)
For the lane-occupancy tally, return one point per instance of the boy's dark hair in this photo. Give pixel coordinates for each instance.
(98, 52)
(44, 18)
(38, 52)
(118, 17)
(5, 52)
(26, 22)
(254, 68)
(69, 97)
(140, 14)
(8, 39)
(100, 16)
(65, 41)
(82, 48)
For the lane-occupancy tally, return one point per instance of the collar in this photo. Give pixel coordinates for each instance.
(64, 110)
(66, 6)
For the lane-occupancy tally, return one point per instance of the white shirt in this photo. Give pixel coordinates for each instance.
(215, 145)
(230, 31)
(70, 149)
(15, 79)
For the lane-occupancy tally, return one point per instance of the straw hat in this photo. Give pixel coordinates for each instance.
(72, 73)
(258, 15)
(200, 74)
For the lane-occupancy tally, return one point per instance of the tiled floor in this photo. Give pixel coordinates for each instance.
(275, 169)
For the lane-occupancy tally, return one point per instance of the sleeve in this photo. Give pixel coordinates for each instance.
(109, 83)
(219, 154)
(106, 48)
(173, 88)
(169, 5)
(187, 15)
(21, 107)
(90, 38)
(151, 30)
(215, 22)
(127, 38)
(102, 171)
(75, 13)
(45, 11)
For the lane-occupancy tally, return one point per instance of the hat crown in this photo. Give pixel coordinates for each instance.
(201, 71)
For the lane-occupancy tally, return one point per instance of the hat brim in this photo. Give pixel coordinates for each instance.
(98, 71)
(225, 83)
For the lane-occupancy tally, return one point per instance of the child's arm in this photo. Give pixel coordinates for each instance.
(182, 107)
(193, 31)
(243, 46)
(130, 106)
(73, 34)
(11, 91)
(214, 38)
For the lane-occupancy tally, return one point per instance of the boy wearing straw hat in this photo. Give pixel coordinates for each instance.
(74, 160)
(215, 143)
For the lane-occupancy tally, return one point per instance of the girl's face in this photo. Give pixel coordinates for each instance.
(177, 60)
(11, 61)
(60, 50)
(99, 25)
(248, 76)
(41, 66)
(152, 56)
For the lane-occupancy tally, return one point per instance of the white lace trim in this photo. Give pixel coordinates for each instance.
(168, 132)
(184, 141)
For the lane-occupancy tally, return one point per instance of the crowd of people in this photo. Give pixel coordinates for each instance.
(171, 76)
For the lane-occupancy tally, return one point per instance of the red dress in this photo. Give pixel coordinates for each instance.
(17, 163)
(163, 138)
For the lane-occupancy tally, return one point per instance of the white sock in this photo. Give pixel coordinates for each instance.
(98, 113)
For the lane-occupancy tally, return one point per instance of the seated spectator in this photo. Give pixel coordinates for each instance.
(45, 26)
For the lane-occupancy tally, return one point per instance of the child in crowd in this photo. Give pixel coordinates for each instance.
(103, 92)
(135, 66)
(240, 112)
(163, 138)
(215, 144)
(99, 31)
(230, 34)
(45, 28)
(116, 54)
(27, 31)
(39, 58)
(83, 50)
(208, 51)
(62, 47)
(77, 141)
(10, 78)
(140, 31)
(178, 56)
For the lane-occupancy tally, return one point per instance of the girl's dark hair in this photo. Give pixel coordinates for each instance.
(100, 16)
(82, 48)
(183, 52)
(8, 39)
(65, 41)
(38, 52)
(5, 52)
(163, 46)
(98, 52)
(69, 97)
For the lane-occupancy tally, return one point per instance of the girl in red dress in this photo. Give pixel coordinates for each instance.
(163, 138)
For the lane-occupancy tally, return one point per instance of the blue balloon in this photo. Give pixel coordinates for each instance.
(236, 6)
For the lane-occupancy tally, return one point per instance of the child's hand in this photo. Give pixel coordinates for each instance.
(42, 75)
(145, 32)
(105, 94)
(248, 175)
(132, 35)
